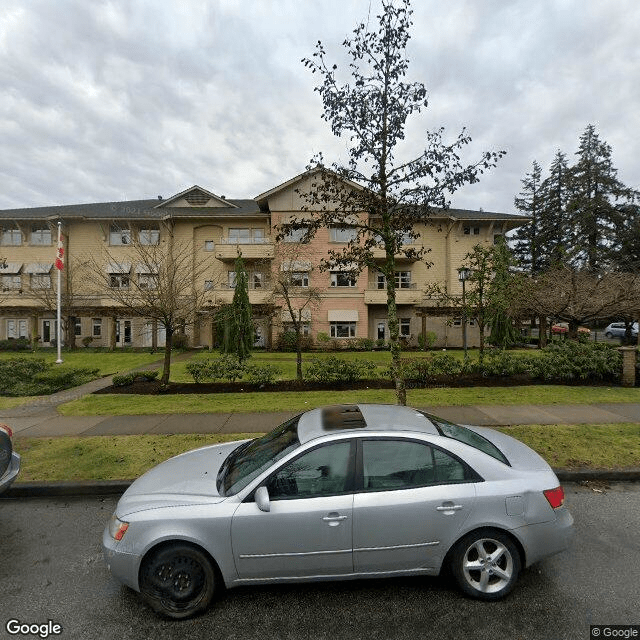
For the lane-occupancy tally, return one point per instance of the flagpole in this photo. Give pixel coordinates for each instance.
(59, 298)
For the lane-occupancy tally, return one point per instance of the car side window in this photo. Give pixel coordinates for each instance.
(320, 472)
(396, 464)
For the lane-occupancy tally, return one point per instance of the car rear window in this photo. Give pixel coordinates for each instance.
(462, 434)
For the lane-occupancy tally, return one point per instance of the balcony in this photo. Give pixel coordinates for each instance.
(404, 295)
(224, 295)
(251, 248)
(379, 253)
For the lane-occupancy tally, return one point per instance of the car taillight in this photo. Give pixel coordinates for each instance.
(555, 497)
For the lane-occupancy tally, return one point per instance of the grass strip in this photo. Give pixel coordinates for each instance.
(123, 404)
(73, 458)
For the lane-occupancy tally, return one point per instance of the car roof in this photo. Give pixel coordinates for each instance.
(360, 419)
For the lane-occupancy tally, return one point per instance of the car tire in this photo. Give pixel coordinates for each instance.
(608, 335)
(485, 564)
(178, 581)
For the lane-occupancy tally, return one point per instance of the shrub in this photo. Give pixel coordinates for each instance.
(226, 367)
(364, 344)
(425, 369)
(574, 360)
(53, 380)
(334, 369)
(287, 341)
(87, 340)
(123, 379)
(13, 344)
(180, 341)
(262, 373)
(504, 363)
(148, 374)
(428, 340)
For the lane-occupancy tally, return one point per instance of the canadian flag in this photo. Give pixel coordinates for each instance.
(60, 254)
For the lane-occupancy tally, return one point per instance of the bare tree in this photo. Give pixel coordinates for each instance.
(378, 194)
(581, 297)
(292, 277)
(164, 285)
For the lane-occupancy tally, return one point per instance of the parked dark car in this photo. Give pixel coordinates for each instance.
(9, 459)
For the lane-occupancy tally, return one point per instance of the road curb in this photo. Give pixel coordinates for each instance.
(114, 487)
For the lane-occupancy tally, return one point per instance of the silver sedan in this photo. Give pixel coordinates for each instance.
(342, 492)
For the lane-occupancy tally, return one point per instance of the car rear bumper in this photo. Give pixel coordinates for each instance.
(11, 473)
(122, 565)
(547, 538)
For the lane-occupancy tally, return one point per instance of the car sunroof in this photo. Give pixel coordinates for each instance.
(342, 416)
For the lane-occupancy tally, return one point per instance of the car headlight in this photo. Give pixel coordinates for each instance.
(117, 528)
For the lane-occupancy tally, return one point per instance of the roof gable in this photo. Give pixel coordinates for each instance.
(195, 196)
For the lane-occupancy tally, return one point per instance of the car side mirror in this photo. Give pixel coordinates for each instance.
(262, 499)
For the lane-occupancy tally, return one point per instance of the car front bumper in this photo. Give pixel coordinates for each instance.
(122, 565)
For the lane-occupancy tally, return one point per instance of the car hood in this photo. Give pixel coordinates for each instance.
(189, 478)
(519, 455)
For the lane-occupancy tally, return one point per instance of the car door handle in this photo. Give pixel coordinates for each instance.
(451, 507)
(336, 518)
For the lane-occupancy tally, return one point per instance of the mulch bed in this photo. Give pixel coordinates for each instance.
(143, 387)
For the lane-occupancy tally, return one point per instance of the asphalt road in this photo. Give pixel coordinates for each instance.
(51, 569)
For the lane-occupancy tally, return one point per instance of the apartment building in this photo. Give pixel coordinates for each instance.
(119, 237)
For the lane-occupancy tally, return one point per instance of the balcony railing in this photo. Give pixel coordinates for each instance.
(404, 295)
(251, 248)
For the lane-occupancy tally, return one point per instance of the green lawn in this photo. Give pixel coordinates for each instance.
(10, 403)
(107, 362)
(126, 457)
(122, 404)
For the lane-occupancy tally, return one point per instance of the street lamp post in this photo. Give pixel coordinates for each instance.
(463, 275)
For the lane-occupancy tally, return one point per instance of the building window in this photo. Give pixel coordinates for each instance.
(305, 328)
(299, 279)
(11, 282)
(343, 329)
(148, 237)
(457, 322)
(246, 236)
(342, 234)
(118, 236)
(231, 279)
(97, 327)
(405, 327)
(11, 237)
(468, 231)
(40, 235)
(40, 281)
(209, 285)
(77, 327)
(294, 235)
(256, 280)
(147, 281)
(403, 280)
(209, 245)
(16, 329)
(119, 280)
(342, 279)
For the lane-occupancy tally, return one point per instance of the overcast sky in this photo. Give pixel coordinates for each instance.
(130, 99)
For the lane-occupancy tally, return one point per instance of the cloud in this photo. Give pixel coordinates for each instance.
(126, 99)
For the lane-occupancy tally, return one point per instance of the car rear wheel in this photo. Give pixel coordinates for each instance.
(485, 564)
(178, 581)
(608, 334)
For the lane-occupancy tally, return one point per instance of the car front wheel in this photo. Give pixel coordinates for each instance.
(485, 564)
(177, 581)
(608, 335)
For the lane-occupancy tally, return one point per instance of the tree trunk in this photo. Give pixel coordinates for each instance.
(542, 332)
(299, 353)
(394, 339)
(166, 366)
(481, 351)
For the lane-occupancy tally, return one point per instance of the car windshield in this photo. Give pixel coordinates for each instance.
(462, 434)
(250, 459)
